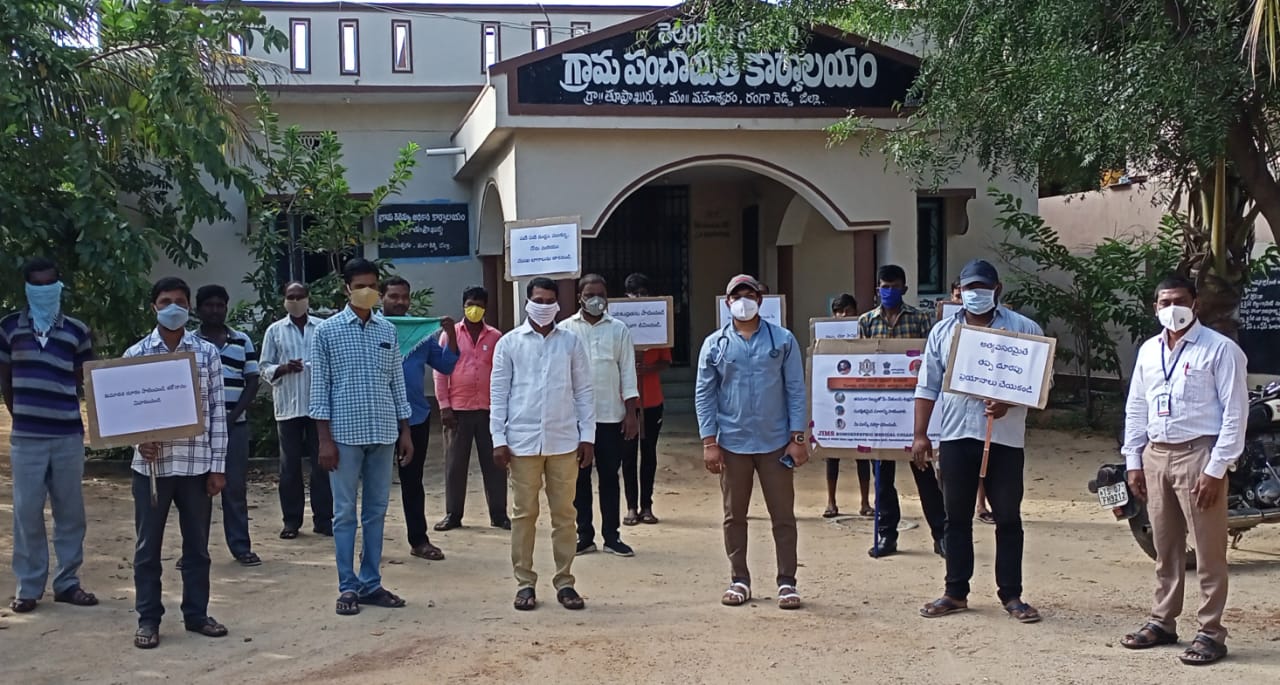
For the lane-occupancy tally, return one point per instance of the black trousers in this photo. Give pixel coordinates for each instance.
(961, 462)
(609, 449)
(195, 508)
(863, 465)
(411, 492)
(640, 490)
(299, 443)
(931, 500)
(473, 427)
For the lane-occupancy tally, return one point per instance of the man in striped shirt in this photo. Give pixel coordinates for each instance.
(42, 352)
(188, 471)
(240, 380)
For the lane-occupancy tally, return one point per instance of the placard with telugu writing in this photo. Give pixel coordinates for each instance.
(544, 247)
(1260, 323)
(436, 231)
(834, 328)
(143, 399)
(650, 320)
(862, 397)
(992, 364)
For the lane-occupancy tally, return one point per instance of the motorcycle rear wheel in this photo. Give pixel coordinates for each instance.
(1140, 526)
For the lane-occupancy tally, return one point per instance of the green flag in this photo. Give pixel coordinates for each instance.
(413, 331)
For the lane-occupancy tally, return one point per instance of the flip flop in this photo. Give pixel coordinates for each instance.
(830, 513)
(941, 607)
(987, 517)
(648, 518)
(526, 600)
(570, 599)
(866, 512)
(1022, 612)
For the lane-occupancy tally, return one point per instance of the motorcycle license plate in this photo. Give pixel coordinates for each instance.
(1113, 496)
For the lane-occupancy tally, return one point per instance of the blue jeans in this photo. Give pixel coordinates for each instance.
(47, 468)
(372, 464)
(235, 496)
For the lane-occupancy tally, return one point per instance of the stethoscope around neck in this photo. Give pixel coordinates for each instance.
(721, 347)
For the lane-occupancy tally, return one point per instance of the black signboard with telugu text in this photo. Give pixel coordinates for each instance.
(436, 231)
(650, 69)
(1260, 323)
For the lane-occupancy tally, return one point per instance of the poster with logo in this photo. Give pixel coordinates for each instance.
(862, 397)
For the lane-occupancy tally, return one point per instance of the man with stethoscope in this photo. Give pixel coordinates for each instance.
(750, 400)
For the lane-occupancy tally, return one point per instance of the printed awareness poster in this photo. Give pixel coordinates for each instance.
(862, 397)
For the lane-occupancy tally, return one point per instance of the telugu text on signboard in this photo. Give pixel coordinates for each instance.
(1007, 367)
(648, 318)
(862, 397)
(143, 399)
(545, 247)
(433, 232)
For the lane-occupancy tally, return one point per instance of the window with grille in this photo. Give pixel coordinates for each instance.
(931, 245)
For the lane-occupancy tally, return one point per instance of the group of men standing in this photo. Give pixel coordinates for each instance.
(544, 404)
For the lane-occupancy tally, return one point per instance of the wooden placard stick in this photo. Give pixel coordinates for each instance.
(986, 447)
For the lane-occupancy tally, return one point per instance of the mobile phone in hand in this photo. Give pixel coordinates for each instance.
(787, 461)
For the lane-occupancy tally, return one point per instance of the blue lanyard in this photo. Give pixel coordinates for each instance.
(1167, 372)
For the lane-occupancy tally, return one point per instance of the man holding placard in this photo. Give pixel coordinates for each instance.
(617, 397)
(964, 431)
(1184, 429)
(186, 473)
(751, 403)
(361, 411)
(649, 368)
(42, 357)
(896, 319)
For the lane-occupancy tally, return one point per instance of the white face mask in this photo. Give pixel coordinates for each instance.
(541, 314)
(1175, 317)
(744, 309)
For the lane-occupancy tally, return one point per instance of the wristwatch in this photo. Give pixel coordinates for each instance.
(798, 439)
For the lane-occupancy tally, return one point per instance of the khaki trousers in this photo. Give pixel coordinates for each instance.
(1171, 471)
(526, 478)
(776, 481)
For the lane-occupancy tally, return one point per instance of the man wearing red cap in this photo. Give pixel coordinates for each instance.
(750, 400)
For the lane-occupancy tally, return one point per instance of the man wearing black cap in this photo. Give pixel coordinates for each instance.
(964, 422)
(751, 405)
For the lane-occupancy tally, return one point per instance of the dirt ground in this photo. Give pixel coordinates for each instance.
(655, 618)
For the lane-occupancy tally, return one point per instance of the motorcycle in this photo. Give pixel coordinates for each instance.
(1253, 485)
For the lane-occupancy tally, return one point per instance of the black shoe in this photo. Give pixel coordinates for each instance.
(504, 524)
(940, 548)
(884, 550)
(619, 548)
(448, 523)
(586, 547)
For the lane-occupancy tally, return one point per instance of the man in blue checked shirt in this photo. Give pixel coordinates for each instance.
(752, 413)
(362, 415)
(964, 427)
(396, 296)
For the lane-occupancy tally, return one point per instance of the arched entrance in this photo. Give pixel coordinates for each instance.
(692, 225)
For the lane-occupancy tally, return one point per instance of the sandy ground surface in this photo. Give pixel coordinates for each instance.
(655, 618)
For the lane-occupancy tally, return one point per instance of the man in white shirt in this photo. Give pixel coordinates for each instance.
(542, 416)
(1184, 429)
(284, 364)
(617, 396)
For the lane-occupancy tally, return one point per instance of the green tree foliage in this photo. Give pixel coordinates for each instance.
(1023, 85)
(116, 119)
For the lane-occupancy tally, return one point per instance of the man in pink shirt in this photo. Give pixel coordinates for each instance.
(464, 411)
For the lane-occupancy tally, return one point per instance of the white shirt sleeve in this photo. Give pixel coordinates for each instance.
(1135, 417)
(1230, 378)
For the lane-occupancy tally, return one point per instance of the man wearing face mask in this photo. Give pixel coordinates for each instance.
(1184, 429)
(964, 429)
(617, 396)
(361, 411)
(285, 350)
(894, 319)
(464, 411)
(432, 352)
(42, 355)
(752, 413)
(542, 418)
(188, 473)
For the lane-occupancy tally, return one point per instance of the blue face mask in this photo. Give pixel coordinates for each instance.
(890, 298)
(45, 302)
(979, 301)
(173, 317)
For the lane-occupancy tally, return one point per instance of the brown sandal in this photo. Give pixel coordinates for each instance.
(570, 599)
(1203, 651)
(526, 599)
(77, 596)
(942, 606)
(23, 606)
(1148, 636)
(207, 627)
(1022, 612)
(427, 551)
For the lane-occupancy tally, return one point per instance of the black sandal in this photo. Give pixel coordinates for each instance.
(348, 604)
(1022, 612)
(526, 600)
(147, 637)
(77, 596)
(942, 606)
(208, 628)
(384, 598)
(647, 517)
(570, 599)
(249, 559)
(289, 534)
(1148, 636)
(1203, 651)
(23, 606)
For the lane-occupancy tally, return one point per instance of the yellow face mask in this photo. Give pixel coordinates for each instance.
(474, 313)
(364, 298)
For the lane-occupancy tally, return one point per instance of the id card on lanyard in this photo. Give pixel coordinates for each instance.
(1164, 401)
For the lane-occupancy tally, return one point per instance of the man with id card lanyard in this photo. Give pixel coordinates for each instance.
(1184, 429)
